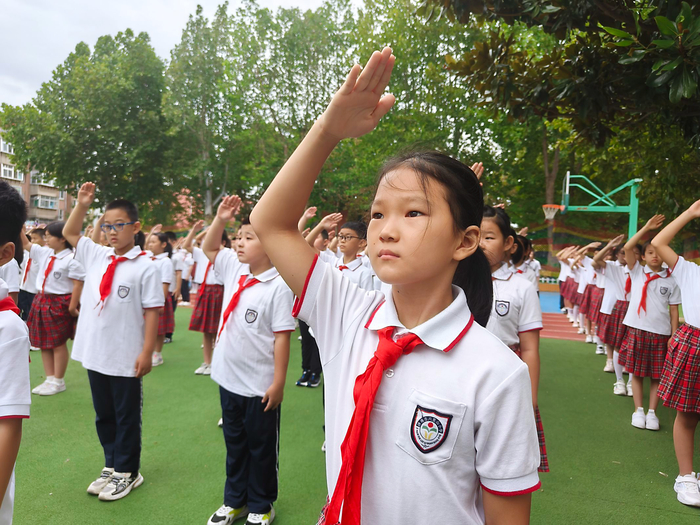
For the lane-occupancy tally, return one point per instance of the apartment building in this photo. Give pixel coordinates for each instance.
(45, 201)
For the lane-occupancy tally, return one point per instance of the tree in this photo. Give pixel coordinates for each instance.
(100, 119)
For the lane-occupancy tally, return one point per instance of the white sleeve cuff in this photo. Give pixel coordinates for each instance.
(14, 411)
(512, 487)
(529, 327)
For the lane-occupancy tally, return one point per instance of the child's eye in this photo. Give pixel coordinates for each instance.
(377, 216)
(414, 213)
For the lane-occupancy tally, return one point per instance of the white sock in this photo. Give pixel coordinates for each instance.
(576, 313)
(651, 411)
(618, 367)
(50, 379)
(582, 321)
(629, 379)
(59, 382)
(570, 312)
(597, 340)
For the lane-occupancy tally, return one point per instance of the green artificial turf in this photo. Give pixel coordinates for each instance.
(603, 470)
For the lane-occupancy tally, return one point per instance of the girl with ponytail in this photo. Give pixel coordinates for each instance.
(422, 402)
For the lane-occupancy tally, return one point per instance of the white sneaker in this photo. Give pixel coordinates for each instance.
(221, 422)
(207, 371)
(629, 390)
(261, 519)
(639, 419)
(581, 330)
(652, 420)
(227, 515)
(323, 447)
(574, 324)
(120, 485)
(687, 491)
(600, 350)
(100, 483)
(589, 338)
(201, 369)
(35, 349)
(157, 359)
(40, 388)
(52, 389)
(619, 388)
(609, 366)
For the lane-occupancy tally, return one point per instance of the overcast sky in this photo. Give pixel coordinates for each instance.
(37, 35)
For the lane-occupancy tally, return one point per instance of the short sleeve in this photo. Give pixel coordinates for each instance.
(226, 263)
(151, 287)
(331, 304)
(11, 275)
(366, 280)
(507, 450)
(282, 304)
(675, 298)
(39, 254)
(15, 396)
(328, 256)
(637, 272)
(166, 271)
(531, 311)
(681, 272)
(76, 271)
(87, 252)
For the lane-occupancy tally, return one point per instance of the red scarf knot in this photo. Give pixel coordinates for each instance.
(52, 259)
(8, 304)
(108, 278)
(643, 302)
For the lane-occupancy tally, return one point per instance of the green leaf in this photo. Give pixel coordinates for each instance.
(673, 65)
(690, 85)
(661, 79)
(676, 90)
(618, 32)
(658, 64)
(663, 44)
(666, 27)
(636, 57)
(624, 43)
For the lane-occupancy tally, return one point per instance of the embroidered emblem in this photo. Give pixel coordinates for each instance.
(123, 291)
(429, 429)
(56, 275)
(502, 308)
(250, 316)
(663, 290)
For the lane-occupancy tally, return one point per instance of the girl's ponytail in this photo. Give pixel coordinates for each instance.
(473, 275)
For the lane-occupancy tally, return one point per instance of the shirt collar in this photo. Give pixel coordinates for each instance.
(4, 290)
(63, 253)
(161, 255)
(663, 273)
(503, 273)
(442, 332)
(131, 254)
(267, 275)
(352, 265)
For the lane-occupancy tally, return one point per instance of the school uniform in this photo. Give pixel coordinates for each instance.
(454, 416)
(207, 311)
(648, 321)
(27, 287)
(618, 287)
(597, 292)
(355, 270)
(565, 280)
(9, 272)
(576, 274)
(109, 339)
(586, 286)
(516, 310)
(527, 273)
(50, 322)
(166, 319)
(15, 396)
(257, 307)
(680, 381)
(187, 267)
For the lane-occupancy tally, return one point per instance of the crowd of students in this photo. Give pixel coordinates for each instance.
(424, 323)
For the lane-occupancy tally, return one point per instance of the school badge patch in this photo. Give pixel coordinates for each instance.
(123, 291)
(56, 275)
(663, 290)
(250, 316)
(502, 308)
(429, 429)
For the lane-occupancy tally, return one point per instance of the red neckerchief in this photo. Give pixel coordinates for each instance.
(343, 267)
(643, 303)
(108, 278)
(26, 270)
(47, 272)
(8, 304)
(348, 487)
(242, 285)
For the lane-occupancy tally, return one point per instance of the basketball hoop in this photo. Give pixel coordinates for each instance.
(550, 210)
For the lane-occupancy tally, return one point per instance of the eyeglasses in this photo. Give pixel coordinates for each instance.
(118, 227)
(347, 237)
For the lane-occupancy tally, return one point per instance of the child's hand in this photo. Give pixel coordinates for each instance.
(143, 364)
(306, 232)
(523, 231)
(358, 105)
(198, 225)
(310, 213)
(88, 231)
(75, 312)
(478, 169)
(694, 209)
(86, 194)
(229, 208)
(329, 221)
(273, 397)
(655, 222)
(593, 245)
(616, 241)
(156, 229)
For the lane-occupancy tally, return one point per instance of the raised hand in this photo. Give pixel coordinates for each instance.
(229, 207)
(198, 225)
(655, 222)
(310, 212)
(306, 232)
(478, 169)
(329, 221)
(616, 241)
(593, 245)
(358, 105)
(86, 194)
(156, 229)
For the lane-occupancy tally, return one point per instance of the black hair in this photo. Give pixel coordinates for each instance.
(172, 236)
(55, 229)
(165, 238)
(616, 251)
(13, 215)
(465, 198)
(502, 220)
(129, 207)
(38, 231)
(639, 248)
(360, 228)
(519, 254)
(139, 239)
(225, 239)
(324, 234)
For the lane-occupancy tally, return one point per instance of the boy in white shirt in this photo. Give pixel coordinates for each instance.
(116, 335)
(9, 272)
(29, 272)
(250, 367)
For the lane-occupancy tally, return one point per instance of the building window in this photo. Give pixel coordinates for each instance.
(41, 178)
(60, 215)
(6, 147)
(61, 195)
(8, 172)
(45, 202)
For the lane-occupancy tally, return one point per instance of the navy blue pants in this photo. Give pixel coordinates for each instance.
(185, 290)
(24, 303)
(118, 402)
(310, 357)
(252, 452)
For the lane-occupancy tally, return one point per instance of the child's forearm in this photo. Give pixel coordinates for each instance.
(26, 243)
(212, 241)
(151, 316)
(530, 354)
(661, 242)
(281, 357)
(75, 296)
(178, 283)
(74, 224)
(313, 234)
(10, 438)
(675, 319)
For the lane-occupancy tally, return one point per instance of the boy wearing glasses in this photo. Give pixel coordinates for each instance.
(116, 335)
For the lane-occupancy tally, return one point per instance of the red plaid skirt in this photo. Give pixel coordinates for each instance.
(166, 320)
(585, 305)
(206, 315)
(595, 304)
(643, 353)
(568, 288)
(680, 381)
(544, 462)
(50, 322)
(577, 298)
(613, 331)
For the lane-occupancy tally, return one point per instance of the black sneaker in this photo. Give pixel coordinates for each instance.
(314, 380)
(304, 379)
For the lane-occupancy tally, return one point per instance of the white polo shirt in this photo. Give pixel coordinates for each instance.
(527, 273)
(687, 276)
(202, 262)
(355, 270)
(65, 270)
(178, 261)
(9, 272)
(244, 361)
(165, 268)
(463, 375)
(660, 294)
(564, 270)
(188, 263)
(15, 395)
(28, 279)
(516, 307)
(587, 274)
(109, 337)
(536, 266)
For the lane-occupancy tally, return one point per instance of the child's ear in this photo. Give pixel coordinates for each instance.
(137, 226)
(469, 243)
(7, 253)
(363, 244)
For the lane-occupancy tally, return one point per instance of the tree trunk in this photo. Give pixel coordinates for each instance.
(550, 178)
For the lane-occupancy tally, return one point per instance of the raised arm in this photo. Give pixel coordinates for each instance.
(187, 243)
(154, 231)
(652, 224)
(663, 239)
(354, 111)
(26, 243)
(599, 258)
(74, 224)
(328, 222)
(96, 235)
(227, 211)
(309, 213)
